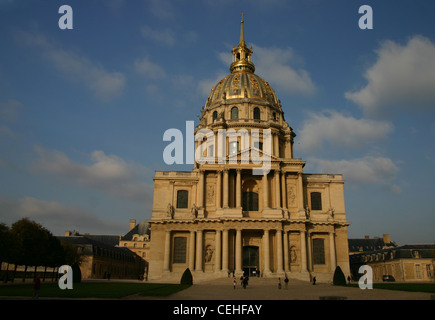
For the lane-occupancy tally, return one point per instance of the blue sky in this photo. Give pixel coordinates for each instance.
(83, 111)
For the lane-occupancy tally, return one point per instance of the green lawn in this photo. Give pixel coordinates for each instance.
(411, 287)
(114, 290)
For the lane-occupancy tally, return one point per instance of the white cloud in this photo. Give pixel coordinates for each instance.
(105, 85)
(205, 86)
(335, 129)
(149, 69)
(55, 216)
(368, 170)
(162, 9)
(107, 173)
(164, 36)
(274, 65)
(403, 76)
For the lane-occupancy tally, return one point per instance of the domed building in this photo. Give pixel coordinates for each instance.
(247, 207)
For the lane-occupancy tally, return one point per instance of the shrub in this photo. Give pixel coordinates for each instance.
(187, 278)
(77, 274)
(339, 279)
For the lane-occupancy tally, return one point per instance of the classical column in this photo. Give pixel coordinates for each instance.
(225, 250)
(238, 251)
(218, 251)
(219, 189)
(225, 188)
(301, 195)
(266, 191)
(192, 251)
(266, 252)
(286, 252)
(239, 189)
(332, 250)
(303, 252)
(279, 251)
(309, 253)
(276, 144)
(167, 254)
(277, 191)
(201, 189)
(199, 250)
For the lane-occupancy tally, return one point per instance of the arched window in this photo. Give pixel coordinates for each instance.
(182, 199)
(274, 116)
(233, 147)
(257, 113)
(215, 115)
(316, 201)
(250, 201)
(234, 113)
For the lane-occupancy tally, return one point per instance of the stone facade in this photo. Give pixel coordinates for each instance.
(408, 263)
(229, 215)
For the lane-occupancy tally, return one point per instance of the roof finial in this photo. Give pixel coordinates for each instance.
(242, 33)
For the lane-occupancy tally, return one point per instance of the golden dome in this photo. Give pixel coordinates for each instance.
(242, 82)
(243, 85)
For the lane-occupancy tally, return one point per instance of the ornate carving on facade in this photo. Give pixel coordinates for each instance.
(210, 194)
(170, 211)
(194, 211)
(208, 254)
(331, 213)
(291, 196)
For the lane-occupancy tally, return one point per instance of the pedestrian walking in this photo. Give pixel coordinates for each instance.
(314, 280)
(36, 287)
(234, 283)
(286, 282)
(279, 283)
(348, 279)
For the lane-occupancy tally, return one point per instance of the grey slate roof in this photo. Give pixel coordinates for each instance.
(141, 229)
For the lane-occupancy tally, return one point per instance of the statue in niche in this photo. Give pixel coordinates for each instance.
(194, 211)
(208, 253)
(210, 194)
(170, 211)
(291, 196)
(293, 255)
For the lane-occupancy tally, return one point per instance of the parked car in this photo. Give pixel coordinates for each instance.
(388, 278)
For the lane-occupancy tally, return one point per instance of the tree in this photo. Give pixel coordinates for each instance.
(7, 248)
(36, 246)
(339, 279)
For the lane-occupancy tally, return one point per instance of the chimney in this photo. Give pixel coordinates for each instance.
(367, 237)
(132, 224)
(387, 238)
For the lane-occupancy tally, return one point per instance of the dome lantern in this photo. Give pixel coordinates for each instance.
(242, 55)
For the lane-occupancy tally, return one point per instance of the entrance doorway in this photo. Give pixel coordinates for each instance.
(251, 261)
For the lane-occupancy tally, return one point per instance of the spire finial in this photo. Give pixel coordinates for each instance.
(242, 33)
(242, 54)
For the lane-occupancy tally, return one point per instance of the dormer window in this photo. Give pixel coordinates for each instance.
(234, 113)
(256, 113)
